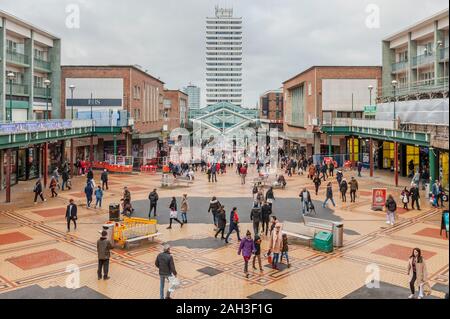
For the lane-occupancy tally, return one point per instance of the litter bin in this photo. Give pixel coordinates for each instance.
(323, 241)
(338, 234)
(114, 212)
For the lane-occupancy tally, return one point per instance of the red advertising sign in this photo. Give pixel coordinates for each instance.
(379, 196)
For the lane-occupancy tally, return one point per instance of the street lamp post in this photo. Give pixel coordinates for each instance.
(72, 88)
(370, 87)
(10, 76)
(47, 83)
(394, 86)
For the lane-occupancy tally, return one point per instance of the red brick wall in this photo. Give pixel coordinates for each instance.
(315, 76)
(174, 112)
(272, 115)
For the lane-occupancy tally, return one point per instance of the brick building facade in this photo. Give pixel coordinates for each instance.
(175, 109)
(324, 93)
(271, 108)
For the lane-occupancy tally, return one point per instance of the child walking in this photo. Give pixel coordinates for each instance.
(284, 250)
(98, 197)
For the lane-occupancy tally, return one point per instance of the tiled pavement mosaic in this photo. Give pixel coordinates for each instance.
(36, 251)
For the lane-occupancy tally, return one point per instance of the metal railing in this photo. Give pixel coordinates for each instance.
(349, 122)
(435, 85)
(423, 59)
(17, 89)
(42, 64)
(16, 57)
(398, 66)
(42, 91)
(443, 53)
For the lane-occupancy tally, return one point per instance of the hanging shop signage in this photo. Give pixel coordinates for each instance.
(370, 109)
(13, 128)
(378, 198)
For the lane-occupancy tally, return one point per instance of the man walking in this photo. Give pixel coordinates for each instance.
(360, 167)
(153, 197)
(266, 211)
(415, 196)
(164, 262)
(243, 173)
(353, 188)
(305, 197)
(255, 216)
(71, 214)
(38, 191)
(317, 183)
(214, 206)
(329, 196)
(104, 178)
(234, 224)
(88, 190)
(104, 247)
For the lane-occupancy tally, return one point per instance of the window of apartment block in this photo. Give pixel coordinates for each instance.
(309, 89)
(13, 46)
(402, 56)
(40, 54)
(18, 77)
(427, 77)
(38, 81)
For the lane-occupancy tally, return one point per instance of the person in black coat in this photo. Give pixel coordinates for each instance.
(221, 222)
(255, 217)
(71, 214)
(266, 211)
(104, 178)
(317, 183)
(343, 188)
(173, 213)
(38, 191)
(415, 196)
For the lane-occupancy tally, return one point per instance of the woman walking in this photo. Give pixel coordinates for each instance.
(417, 271)
(184, 207)
(247, 248)
(276, 244)
(38, 191)
(257, 255)
(222, 222)
(88, 190)
(391, 207)
(270, 198)
(284, 250)
(343, 188)
(53, 184)
(174, 213)
(405, 198)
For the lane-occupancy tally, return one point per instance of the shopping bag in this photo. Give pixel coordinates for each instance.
(426, 289)
(173, 214)
(174, 283)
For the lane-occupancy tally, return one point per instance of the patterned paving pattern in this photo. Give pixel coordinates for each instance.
(431, 232)
(40, 259)
(12, 238)
(208, 268)
(400, 252)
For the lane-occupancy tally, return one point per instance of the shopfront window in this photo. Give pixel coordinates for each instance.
(355, 157)
(13, 167)
(388, 155)
(443, 169)
(412, 154)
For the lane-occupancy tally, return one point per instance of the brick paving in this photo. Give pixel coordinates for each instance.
(35, 248)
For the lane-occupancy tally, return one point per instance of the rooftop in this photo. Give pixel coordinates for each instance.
(27, 25)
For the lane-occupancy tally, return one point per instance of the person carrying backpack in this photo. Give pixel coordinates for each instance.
(391, 208)
(234, 224)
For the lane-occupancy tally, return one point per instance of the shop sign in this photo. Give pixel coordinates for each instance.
(378, 198)
(14, 128)
(370, 109)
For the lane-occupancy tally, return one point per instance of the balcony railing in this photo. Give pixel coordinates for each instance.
(349, 122)
(420, 87)
(423, 59)
(42, 91)
(399, 66)
(42, 64)
(16, 57)
(17, 89)
(443, 53)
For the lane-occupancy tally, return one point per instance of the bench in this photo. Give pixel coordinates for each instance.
(299, 231)
(319, 223)
(168, 182)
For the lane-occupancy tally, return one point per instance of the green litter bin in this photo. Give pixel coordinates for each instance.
(323, 241)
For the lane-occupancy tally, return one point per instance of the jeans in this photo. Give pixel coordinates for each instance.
(215, 219)
(68, 223)
(285, 254)
(162, 280)
(326, 201)
(275, 258)
(391, 217)
(353, 196)
(235, 227)
(64, 183)
(152, 207)
(98, 202)
(184, 217)
(103, 264)
(305, 207)
(255, 228)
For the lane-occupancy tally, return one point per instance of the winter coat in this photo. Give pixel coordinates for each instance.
(38, 188)
(391, 205)
(343, 187)
(269, 194)
(247, 247)
(103, 248)
(98, 193)
(184, 207)
(414, 192)
(88, 190)
(353, 185)
(153, 197)
(104, 177)
(173, 205)
(421, 271)
(53, 183)
(65, 176)
(312, 170)
(164, 262)
(285, 246)
(73, 213)
(266, 211)
(276, 242)
(222, 219)
(329, 192)
(127, 196)
(317, 181)
(90, 175)
(255, 215)
(214, 206)
(308, 196)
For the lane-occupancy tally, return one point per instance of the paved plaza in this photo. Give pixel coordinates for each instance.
(35, 249)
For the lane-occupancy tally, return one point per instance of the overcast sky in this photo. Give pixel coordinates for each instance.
(167, 37)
